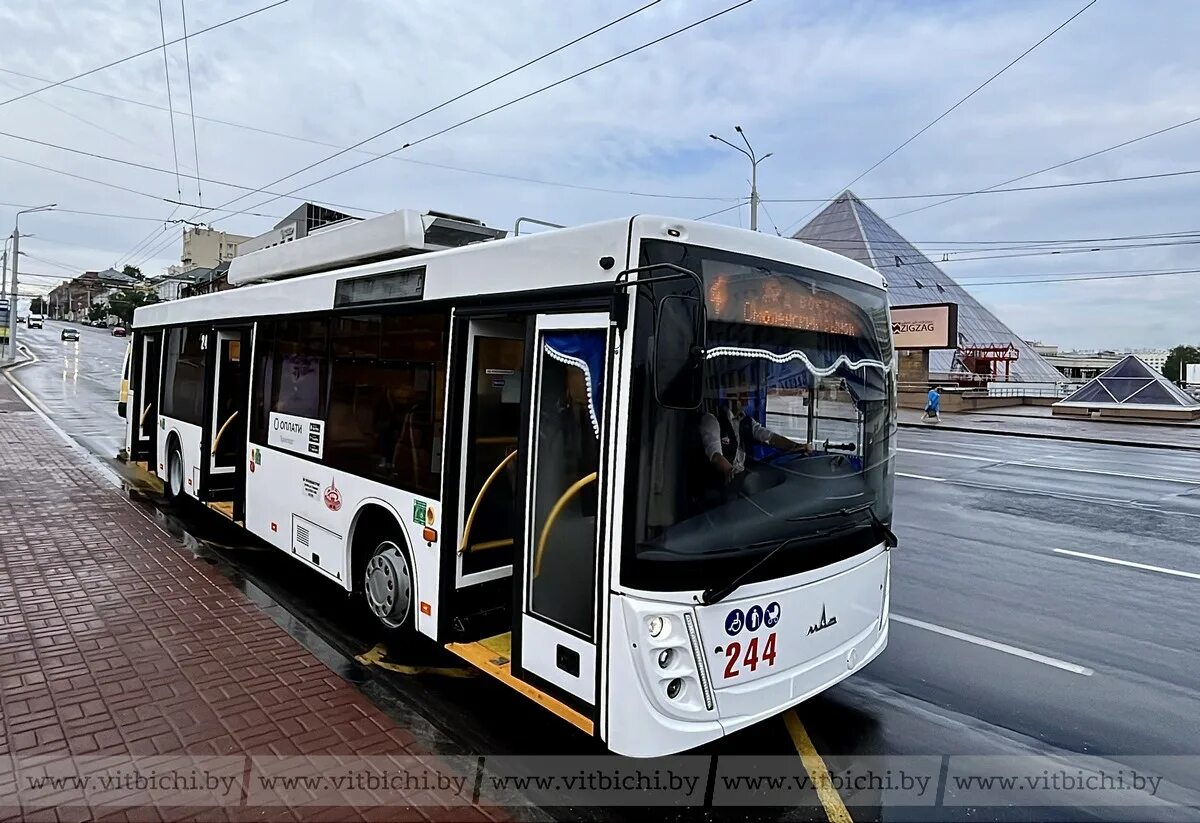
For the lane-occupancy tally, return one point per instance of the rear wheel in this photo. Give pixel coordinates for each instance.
(387, 586)
(174, 484)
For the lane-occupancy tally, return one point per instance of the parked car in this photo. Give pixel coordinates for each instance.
(70, 334)
(118, 331)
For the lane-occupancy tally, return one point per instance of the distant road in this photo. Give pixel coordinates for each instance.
(77, 383)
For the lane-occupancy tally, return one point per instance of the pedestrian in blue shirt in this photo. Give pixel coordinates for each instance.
(934, 407)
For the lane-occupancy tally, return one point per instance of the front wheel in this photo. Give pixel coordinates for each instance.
(388, 586)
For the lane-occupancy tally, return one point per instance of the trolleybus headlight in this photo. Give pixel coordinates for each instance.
(656, 625)
(665, 658)
(674, 688)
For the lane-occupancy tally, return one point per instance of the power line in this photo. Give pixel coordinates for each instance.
(769, 217)
(50, 262)
(1087, 156)
(427, 163)
(116, 186)
(454, 99)
(929, 250)
(142, 53)
(1058, 240)
(1044, 187)
(75, 116)
(1053, 252)
(1085, 279)
(736, 205)
(516, 100)
(157, 170)
(162, 26)
(944, 114)
(967, 278)
(187, 55)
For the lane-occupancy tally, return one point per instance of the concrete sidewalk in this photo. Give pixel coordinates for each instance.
(121, 653)
(1148, 435)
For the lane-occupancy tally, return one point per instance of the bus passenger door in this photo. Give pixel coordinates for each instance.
(145, 368)
(223, 463)
(557, 632)
(487, 517)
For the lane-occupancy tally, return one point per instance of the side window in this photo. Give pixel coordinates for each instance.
(299, 367)
(184, 373)
(264, 339)
(386, 397)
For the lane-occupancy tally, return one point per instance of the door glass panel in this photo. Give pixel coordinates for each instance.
(492, 436)
(230, 400)
(567, 458)
(148, 396)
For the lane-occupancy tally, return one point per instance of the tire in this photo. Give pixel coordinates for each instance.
(387, 587)
(175, 479)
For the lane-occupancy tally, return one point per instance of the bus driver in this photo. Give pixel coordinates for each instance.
(726, 428)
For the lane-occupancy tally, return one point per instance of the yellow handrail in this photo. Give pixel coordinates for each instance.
(554, 512)
(145, 411)
(479, 497)
(221, 432)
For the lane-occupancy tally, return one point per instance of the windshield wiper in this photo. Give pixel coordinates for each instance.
(715, 595)
(889, 536)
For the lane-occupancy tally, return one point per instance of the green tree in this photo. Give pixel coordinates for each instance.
(125, 301)
(97, 311)
(39, 306)
(1180, 357)
(134, 272)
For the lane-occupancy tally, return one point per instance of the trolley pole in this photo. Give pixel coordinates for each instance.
(754, 161)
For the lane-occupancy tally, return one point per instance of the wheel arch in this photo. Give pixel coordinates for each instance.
(373, 517)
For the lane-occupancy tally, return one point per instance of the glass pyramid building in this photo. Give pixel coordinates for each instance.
(1132, 385)
(850, 228)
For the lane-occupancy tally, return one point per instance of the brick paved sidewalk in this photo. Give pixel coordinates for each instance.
(121, 653)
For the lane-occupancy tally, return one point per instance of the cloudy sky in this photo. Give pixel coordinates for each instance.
(830, 86)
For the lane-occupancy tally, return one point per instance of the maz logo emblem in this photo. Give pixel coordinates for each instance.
(824, 624)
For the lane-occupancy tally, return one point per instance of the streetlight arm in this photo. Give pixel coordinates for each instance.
(742, 134)
(736, 148)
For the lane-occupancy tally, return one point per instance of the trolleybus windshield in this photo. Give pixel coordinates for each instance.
(793, 437)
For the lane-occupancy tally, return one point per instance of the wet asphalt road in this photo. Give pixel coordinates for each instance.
(1004, 642)
(77, 383)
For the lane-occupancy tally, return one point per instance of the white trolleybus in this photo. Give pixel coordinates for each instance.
(640, 471)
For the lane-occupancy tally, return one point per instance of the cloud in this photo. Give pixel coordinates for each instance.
(830, 87)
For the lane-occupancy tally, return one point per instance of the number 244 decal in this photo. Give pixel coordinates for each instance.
(752, 658)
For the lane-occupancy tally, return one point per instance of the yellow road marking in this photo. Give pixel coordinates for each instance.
(835, 809)
(374, 657)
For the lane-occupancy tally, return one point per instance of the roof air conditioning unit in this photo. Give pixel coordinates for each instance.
(399, 234)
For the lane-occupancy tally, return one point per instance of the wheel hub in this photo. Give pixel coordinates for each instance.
(388, 585)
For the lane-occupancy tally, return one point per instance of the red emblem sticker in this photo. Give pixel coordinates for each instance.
(333, 497)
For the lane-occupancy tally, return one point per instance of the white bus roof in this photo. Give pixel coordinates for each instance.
(528, 263)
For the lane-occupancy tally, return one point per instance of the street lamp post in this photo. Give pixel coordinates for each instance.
(16, 256)
(754, 161)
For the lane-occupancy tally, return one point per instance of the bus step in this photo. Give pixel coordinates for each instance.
(482, 623)
(493, 655)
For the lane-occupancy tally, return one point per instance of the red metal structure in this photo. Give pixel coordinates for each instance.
(984, 361)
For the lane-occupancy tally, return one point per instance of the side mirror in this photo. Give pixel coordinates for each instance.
(679, 338)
